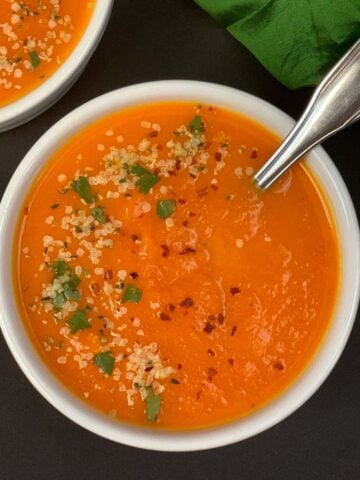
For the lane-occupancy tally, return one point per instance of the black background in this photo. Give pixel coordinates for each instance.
(170, 39)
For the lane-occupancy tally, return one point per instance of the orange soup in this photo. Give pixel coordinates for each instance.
(158, 284)
(36, 36)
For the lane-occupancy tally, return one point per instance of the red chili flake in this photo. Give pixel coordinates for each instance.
(185, 223)
(234, 290)
(174, 381)
(178, 164)
(171, 307)
(95, 288)
(231, 361)
(179, 366)
(26, 210)
(233, 330)
(108, 275)
(279, 365)
(220, 318)
(134, 238)
(214, 187)
(134, 275)
(166, 251)
(148, 369)
(192, 214)
(187, 302)
(211, 352)
(212, 318)
(182, 201)
(218, 156)
(164, 316)
(211, 372)
(198, 395)
(254, 153)
(153, 134)
(208, 328)
(203, 191)
(187, 250)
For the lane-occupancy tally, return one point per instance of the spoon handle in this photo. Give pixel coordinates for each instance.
(334, 105)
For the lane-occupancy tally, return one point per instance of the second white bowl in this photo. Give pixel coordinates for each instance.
(44, 96)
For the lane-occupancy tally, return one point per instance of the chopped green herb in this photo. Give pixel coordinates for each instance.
(105, 361)
(196, 124)
(146, 178)
(99, 214)
(59, 301)
(85, 272)
(83, 188)
(153, 404)
(59, 267)
(132, 294)
(70, 292)
(139, 170)
(175, 381)
(69, 284)
(165, 208)
(34, 59)
(78, 321)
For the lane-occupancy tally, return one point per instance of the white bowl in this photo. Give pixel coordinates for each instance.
(291, 399)
(49, 92)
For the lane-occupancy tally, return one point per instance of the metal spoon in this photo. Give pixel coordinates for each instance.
(334, 105)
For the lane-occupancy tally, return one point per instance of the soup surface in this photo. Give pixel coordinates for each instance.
(158, 284)
(36, 36)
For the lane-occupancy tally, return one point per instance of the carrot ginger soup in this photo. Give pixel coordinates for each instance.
(158, 284)
(36, 36)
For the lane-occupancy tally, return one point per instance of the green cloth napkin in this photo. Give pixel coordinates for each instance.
(296, 40)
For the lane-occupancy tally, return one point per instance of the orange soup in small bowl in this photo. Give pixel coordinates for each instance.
(171, 299)
(37, 37)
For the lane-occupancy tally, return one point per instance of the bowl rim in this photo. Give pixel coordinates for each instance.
(46, 94)
(308, 381)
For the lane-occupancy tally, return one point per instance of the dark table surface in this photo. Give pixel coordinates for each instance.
(167, 39)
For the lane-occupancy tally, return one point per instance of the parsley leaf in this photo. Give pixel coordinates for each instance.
(105, 361)
(78, 321)
(153, 404)
(59, 267)
(165, 208)
(132, 294)
(70, 293)
(99, 214)
(83, 188)
(35, 59)
(196, 124)
(146, 178)
(69, 286)
(59, 301)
